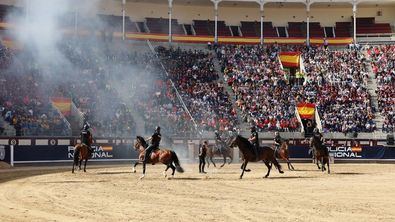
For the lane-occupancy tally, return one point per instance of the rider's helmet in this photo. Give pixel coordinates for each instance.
(157, 129)
(253, 129)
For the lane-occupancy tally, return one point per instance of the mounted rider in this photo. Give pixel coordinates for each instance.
(317, 136)
(218, 141)
(254, 140)
(86, 136)
(155, 141)
(277, 141)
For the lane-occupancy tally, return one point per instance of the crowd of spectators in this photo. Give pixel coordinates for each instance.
(260, 87)
(336, 81)
(197, 81)
(22, 102)
(383, 61)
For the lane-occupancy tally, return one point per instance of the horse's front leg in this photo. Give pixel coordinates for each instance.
(269, 167)
(134, 167)
(230, 158)
(322, 164)
(79, 167)
(244, 165)
(72, 171)
(211, 159)
(290, 166)
(143, 175)
(224, 156)
(208, 162)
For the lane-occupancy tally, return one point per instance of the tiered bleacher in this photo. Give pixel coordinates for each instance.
(161, 25)
(384, 68)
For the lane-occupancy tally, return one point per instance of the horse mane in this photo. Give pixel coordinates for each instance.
(244, 140)
(142, 140)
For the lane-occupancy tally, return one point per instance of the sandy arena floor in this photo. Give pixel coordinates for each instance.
(353, 192)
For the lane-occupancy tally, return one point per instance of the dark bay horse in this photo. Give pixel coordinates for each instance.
(223, 151)
(165, 156)
(283, 154)
(81, 152)
(320, 154)
(266, 154)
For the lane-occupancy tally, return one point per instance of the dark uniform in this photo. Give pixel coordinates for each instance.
(218, 141)
(254, 139)
(317, 136)
(86, 137)
(202, 156)
(155, 141)
(277, 142)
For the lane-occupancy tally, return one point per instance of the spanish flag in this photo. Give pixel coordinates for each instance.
(62, 104)
(290, 59)
(306, 110)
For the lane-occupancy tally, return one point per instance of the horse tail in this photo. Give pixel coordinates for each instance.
(177, 162)
(77, 151)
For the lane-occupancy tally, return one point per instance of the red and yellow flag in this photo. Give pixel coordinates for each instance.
(62, 104)
(306, 110)
(290, 59)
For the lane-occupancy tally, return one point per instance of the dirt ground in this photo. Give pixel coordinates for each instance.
(353, 192)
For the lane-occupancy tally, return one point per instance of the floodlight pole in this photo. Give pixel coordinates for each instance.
(123, 19)
(170, 19)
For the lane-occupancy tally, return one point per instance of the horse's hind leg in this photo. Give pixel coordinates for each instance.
(173, 168)
(327, 162)
(86, 160)
(208, 162)
(269, 167)
(323, 164)
(164, 172)
(79, 167)
(72, 171)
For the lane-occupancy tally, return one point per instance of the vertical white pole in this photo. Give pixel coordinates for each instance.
(76, 22)
(12, 155)
(354, 13)
(308, 25)
(216, 21)
(261, 11)
(170, 18)
(123, 19)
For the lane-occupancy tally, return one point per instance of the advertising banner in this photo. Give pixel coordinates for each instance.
(5, 153)
(25, 154)
(347, 152)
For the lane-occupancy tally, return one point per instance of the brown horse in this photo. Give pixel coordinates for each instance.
(320, 154)
(224, 152)
(283, 154)
(266, 154)
(165, 156)
(81, 152)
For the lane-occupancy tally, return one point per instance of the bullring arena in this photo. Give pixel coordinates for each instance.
(353, 192)
(119, 85)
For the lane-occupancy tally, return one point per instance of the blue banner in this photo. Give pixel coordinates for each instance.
(347, 152)
(65, 153)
